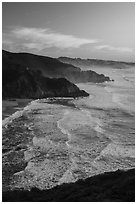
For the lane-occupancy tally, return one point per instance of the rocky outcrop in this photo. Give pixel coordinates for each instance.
(21, 82)
(51, 67)
(89, 76)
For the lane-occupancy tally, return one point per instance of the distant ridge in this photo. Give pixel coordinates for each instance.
(90, 63)
(50, 67)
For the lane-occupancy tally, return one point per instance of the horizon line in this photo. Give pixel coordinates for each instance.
(121, 61)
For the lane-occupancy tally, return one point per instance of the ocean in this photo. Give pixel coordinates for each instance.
(61, 140)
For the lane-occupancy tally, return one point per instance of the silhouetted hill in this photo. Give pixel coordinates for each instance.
(21, 82)
(90, 63)
(50, 67)
(116, 186)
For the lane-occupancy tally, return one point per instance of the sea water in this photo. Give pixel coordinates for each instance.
(62, 140)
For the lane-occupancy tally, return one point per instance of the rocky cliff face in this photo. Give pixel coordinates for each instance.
(21, 82)
(51, 67)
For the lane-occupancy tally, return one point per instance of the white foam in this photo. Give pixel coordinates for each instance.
(64, 131)
(17, 114)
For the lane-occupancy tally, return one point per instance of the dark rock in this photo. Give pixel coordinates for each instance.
(21, 82)
(108, 187)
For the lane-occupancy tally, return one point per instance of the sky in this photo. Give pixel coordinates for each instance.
(73, 29)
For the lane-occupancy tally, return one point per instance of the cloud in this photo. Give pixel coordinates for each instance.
(39, 39)
(111, 48)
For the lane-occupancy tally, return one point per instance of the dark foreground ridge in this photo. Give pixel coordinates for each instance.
(21, 82)
(118, 186)
(50, 67)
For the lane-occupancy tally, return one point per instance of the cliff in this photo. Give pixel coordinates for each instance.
(51, 67)
(21, 82)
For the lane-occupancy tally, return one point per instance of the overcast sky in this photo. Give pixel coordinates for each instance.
(86, 30)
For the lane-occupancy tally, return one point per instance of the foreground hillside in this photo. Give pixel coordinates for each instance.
(116, 186)
(50, 67)
(21, 82)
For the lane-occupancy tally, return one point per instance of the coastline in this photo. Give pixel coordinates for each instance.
(50, 113)
(16, 114)
(10, 106)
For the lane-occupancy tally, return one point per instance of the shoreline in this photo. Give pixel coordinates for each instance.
(83, 115)
(16, 114)
(10, 106)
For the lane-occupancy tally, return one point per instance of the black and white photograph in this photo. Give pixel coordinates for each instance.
(68, 101)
